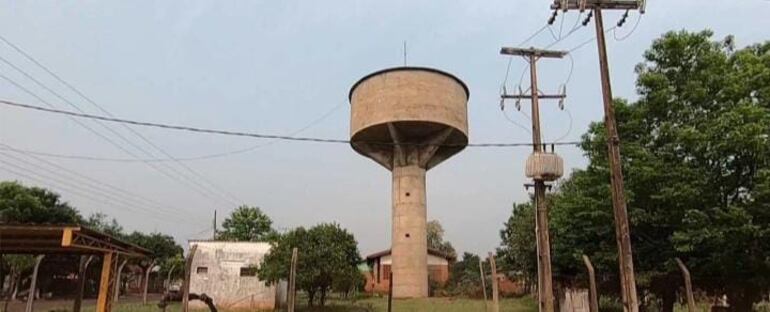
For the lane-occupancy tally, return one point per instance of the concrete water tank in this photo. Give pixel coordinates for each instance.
(408, 120)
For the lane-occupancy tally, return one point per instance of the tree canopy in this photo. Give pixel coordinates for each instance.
(246, 224)
(696, 158)
(23, 204)
(435, 235)
(327, 256)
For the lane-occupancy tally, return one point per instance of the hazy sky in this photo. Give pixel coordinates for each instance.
(276, 66)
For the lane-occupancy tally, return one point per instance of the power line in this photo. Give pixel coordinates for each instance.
(100, 108)
(111, 200)
(112, 142)
(246, 134)
(97, 184)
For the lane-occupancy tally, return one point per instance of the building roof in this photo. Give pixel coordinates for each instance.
(431, 251)
(62, 239)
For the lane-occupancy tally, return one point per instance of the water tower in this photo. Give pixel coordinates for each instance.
(408, 120)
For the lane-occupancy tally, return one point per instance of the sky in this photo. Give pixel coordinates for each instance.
(277, 67)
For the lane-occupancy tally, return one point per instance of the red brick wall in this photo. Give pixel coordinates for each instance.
(438, 273)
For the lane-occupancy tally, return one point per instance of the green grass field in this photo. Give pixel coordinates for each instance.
(369, 305)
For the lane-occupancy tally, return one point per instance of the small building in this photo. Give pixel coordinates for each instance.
(227, 272)
(378, 275)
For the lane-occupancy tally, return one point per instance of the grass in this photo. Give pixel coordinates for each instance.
(367, 305)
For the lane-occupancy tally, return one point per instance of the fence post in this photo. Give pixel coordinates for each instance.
(483, 281)
(147, 281)
(186, 281)
(495, 294)
(592, 292)
(687, 285)
(291, 294)
(390, 291)
(82, 272)
(33, 283)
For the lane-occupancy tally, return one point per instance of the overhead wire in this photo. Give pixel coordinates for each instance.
(103, 110)
(626, 36)
(136, 199)
(110, 199)
(102, 136)
(246, 134)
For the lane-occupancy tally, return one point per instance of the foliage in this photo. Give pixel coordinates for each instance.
(327, 255)
(99, 222)
(435, 234)
(247, 224)
(465, 278)
(518, 252)
(696, 159)
(162, 246)
(22, 204)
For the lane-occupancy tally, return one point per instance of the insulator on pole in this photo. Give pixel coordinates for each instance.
(623, 19)
(588, 18)
(553, 17)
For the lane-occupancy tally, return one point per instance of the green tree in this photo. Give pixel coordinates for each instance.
(465, 279)
(518, 253)
(100, 222)
(696, 151)
(327, 255)
(435, 235)
(22, 204)
(247, 224)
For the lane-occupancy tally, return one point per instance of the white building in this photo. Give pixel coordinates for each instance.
(226, 272)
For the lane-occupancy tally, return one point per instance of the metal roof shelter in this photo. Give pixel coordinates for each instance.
(74, 240)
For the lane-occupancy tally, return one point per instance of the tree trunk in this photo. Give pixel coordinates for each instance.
(323, 297)
(310, 297)
(668, 300)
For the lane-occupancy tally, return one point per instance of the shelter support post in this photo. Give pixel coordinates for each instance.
(107, 282)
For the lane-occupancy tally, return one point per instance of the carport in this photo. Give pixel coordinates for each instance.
(72, 240)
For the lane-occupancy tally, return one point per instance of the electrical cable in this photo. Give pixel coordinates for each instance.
(510, 58)
(248, 134)
(626, 36)
(514, 122)
(110, 200)
(108, 188)
(569, 128)
(112, 142)
(100, 108)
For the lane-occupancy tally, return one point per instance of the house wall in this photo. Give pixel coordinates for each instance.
(216, 271)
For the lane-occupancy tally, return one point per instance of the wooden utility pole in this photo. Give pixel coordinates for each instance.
(214, 226)
(592, 292)
(622, 229)
(186, 281)
(495, 294)
(687, 285)
(290, 291)
(545, 278)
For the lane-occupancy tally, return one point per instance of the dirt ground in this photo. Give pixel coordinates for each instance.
(66, 304)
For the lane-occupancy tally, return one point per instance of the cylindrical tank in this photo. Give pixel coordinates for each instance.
(409, 119)
(544, 166)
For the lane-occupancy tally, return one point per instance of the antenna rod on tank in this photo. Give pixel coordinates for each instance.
(404, 52)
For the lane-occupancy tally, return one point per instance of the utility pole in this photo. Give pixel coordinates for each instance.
(622, 229)
(214, 225)
(545, 278)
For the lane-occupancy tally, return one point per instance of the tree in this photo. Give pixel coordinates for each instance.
(696, 155)
(247, 224)
(465, 279)
(22, 204)
(435, 233)
(163, 248)
(99, 222)
(518, 252)
(327, 255)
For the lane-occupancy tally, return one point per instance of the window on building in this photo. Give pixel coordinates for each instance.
(202, 270)
(248, 271)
